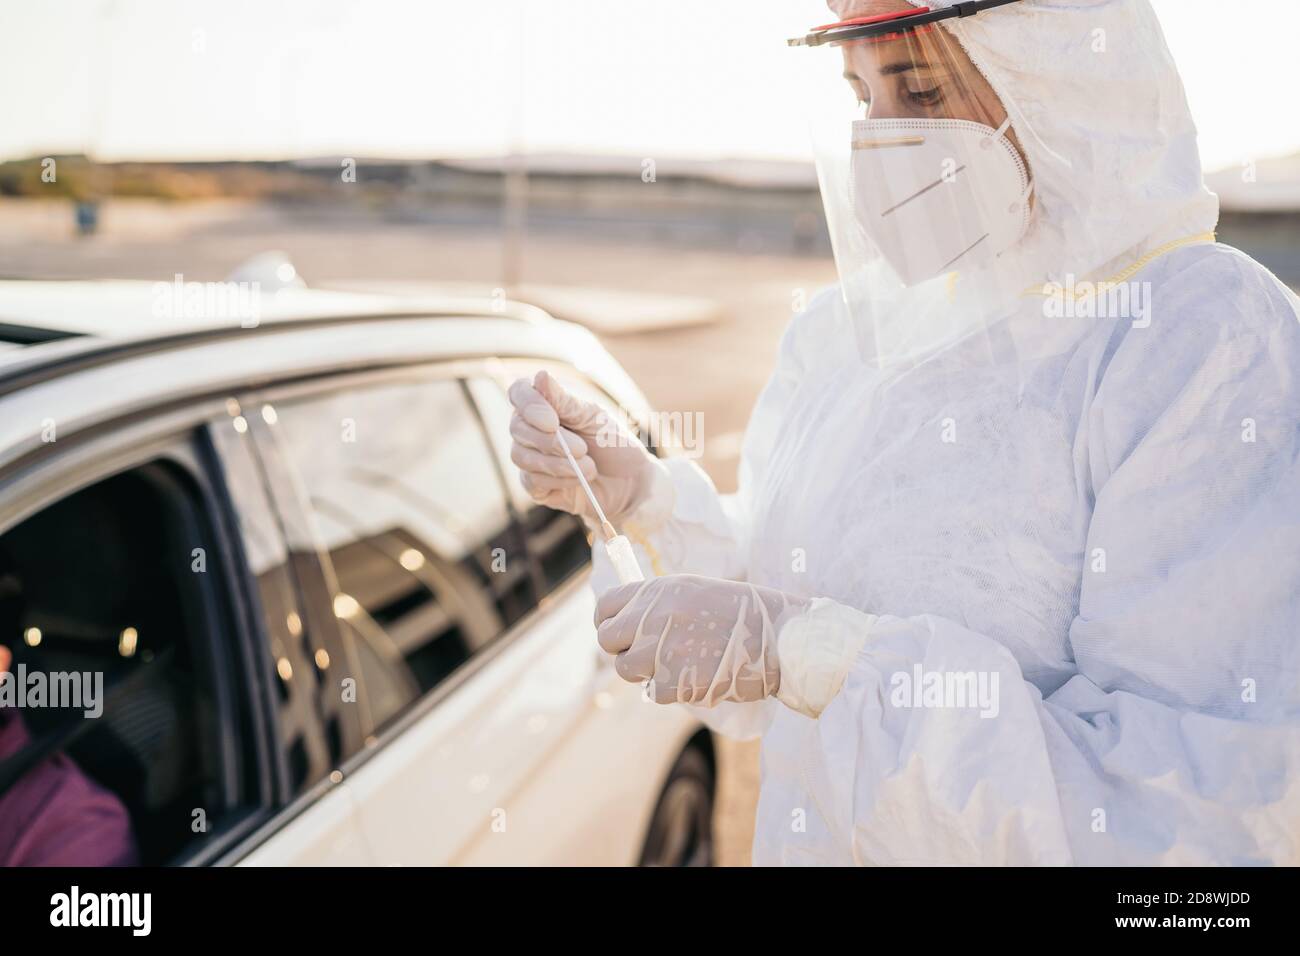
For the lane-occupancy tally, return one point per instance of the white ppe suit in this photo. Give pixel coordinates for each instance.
(1060, 596)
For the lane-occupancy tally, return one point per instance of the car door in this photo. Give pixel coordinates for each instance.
(619, 756)
(463, 684)
(126, 552)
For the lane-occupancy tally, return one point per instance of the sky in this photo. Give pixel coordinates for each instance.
(699, 79)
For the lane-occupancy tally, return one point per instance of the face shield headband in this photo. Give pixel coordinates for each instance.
(889, 25)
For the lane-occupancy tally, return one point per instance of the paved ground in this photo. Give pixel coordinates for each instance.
(715, 369)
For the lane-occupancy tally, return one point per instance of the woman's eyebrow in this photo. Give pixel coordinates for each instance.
(891, 69)
(903, 66)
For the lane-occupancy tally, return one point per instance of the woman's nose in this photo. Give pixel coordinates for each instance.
(885, 108)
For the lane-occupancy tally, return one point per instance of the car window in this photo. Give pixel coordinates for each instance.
(425, 564)
(111, 594)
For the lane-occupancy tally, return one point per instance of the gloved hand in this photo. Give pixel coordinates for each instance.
(697, 640)
(622, 473)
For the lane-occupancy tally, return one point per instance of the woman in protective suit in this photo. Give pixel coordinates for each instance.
(1013, 573)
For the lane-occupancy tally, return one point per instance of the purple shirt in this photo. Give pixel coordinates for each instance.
(55, 815)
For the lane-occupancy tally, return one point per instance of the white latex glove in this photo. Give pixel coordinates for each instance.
(622, 473)
(697, 640)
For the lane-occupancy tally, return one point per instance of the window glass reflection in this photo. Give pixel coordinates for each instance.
(409, 507)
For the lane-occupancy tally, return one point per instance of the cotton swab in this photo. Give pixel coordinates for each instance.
(606, 528)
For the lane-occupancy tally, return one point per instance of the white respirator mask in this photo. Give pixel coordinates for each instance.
(938, 195)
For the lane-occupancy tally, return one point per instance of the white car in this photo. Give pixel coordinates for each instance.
(332, 627)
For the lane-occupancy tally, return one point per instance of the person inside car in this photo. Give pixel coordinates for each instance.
(55, 815)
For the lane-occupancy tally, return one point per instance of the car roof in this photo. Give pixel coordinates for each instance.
(50, 328)
(36, 311)
(106, 369)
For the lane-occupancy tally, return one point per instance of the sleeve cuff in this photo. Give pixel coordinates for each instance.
(815, 649)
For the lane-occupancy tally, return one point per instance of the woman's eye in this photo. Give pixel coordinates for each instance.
(928, 97)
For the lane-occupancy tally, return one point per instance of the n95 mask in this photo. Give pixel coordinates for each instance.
(937, 195)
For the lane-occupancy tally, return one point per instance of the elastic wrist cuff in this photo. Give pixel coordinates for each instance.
(816, 649)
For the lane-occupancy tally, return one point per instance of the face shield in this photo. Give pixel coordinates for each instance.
(927, 192)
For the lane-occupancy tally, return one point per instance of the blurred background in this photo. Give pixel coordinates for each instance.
(642, 169)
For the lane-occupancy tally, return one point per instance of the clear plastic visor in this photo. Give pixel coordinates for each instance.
(927, 192)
